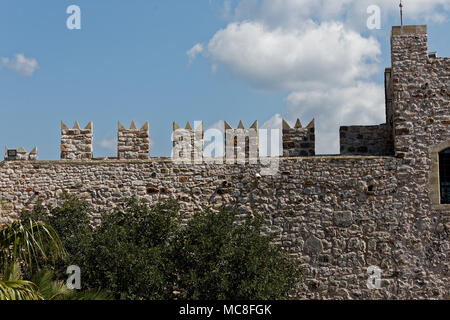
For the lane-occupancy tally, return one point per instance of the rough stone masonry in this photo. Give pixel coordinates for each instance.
(337, 215)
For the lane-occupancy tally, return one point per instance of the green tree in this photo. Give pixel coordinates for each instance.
(128, 255)
(142, 252)
(219, 259)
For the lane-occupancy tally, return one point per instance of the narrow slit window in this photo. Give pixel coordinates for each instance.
(444, 175)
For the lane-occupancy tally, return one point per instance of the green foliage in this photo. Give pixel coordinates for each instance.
(13, 288)
(41, 287)
(29, 241)
(24, 245)
(218, 259)
(70, 220)
(18, 290)
(25, 242)
(140, 252)
(128, 253)
(50, 289)
(47, 288)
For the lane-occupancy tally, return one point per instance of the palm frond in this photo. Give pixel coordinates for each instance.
(18, 290)
(48, 288)
(12, 272)
(51, 289)
(27, 240)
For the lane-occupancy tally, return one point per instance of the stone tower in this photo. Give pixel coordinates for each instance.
(241, 143)
(76, 143)
(420, 102)
(133, 143)
(420, 88)
(299, 141)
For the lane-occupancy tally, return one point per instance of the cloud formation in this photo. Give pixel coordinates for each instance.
(352, 12)
(316, 55)
(316, 50)
(194, 52)
(21, 64)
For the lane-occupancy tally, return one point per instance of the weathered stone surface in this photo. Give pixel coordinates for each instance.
(367, 140)
(334, 225)
(343, 219)
(76, 144)
(299, 141)
(133, 143)
(313, 246)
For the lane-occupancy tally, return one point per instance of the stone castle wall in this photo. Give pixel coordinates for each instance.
(338, 215)
(366, 140)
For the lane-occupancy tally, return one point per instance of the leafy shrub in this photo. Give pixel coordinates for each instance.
(148, 253)
(128, 255)
(217, 259)
(71, 222)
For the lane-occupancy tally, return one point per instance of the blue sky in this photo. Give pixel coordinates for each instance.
(255, 60)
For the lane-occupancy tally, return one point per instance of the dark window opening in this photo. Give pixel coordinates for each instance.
(444, 175)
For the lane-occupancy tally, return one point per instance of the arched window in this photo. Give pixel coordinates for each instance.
(444, 175)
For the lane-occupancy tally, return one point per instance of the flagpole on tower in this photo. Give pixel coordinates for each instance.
(401, 13)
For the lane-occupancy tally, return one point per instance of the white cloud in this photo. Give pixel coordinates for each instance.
(273, 123)
(194, 52)
(20, 64)
(286, 59)
(361, 104)
(109, 144)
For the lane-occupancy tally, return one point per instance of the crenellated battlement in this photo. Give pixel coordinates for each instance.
(133, 143)
(188, 143)
(20, 154)
(299, 141)
(416, 78)
(76, 143)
